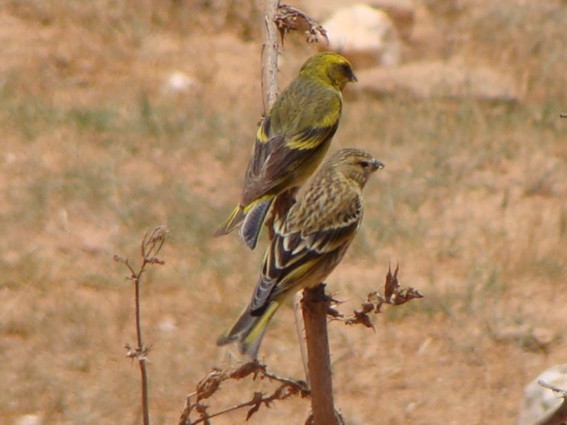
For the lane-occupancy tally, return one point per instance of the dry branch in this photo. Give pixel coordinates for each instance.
(394, 295)
(211, 383)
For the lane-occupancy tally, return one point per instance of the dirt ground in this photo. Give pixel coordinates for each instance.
(119, 116)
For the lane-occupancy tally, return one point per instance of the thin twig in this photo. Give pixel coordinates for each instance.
(300, 328)
(152, 243)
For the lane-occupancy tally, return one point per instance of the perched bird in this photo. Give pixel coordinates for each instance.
(291, 140)
(308, 241)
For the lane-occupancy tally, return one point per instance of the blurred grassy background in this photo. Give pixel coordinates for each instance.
(96, 148)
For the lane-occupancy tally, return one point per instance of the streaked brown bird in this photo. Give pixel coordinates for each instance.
(308, 241)
(291, 141)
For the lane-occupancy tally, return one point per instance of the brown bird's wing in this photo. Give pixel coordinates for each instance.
(302, 254)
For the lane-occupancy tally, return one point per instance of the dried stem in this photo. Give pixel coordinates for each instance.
(315, 305)
(300, 328)
(151, 245)
(270, 52)
(140, 348)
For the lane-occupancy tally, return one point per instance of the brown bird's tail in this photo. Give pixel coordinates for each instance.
(249, 330)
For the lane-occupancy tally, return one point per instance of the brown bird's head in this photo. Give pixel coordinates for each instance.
(354, 164)
(330, 68)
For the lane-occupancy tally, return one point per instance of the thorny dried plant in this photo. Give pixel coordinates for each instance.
(211, 383)
(152, 243)
(394, 295)
(289, 18)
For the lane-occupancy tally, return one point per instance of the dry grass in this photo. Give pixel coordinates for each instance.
(95, 150)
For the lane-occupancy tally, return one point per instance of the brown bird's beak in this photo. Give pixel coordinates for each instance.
(376, 165)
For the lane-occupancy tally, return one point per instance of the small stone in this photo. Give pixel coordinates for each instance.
(543, 336)
(30, 419)
(402, 13)
(167, 324)
(180, 83)
(366, 35)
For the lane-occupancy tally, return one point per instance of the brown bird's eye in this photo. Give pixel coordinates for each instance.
(364, 164)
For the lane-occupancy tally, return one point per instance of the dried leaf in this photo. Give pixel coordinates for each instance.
(289, 18)
(391, 284)
(210, 384)
(360, 317)
(245, 370)
(404, 295)
(153, 243)
(393, 295)
(256, 403)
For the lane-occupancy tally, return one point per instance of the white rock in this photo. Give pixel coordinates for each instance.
(31, 419)
(539, 402)
(365, 35)
(402, 13)
(180, 83)
(167, 324)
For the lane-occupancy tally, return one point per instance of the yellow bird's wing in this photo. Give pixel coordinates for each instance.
(288, 149)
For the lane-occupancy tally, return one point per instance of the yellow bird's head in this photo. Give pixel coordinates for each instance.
(329, 67)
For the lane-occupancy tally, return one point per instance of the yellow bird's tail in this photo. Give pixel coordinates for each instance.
(250, 219)
(232, 223)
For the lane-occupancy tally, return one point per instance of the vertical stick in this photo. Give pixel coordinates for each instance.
(270, 55)
(315, 306)
(300, 328)
(142, 358)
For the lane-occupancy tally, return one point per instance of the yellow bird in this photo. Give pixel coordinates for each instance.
(291, 141)
(308, 242)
